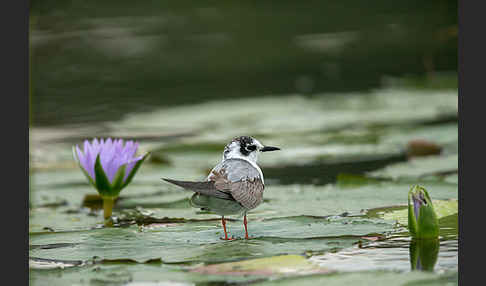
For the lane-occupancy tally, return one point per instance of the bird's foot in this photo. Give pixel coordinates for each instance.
(227, 238)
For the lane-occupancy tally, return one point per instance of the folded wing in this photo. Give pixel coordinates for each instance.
(241, 179)
(232, 179)
(205, 188)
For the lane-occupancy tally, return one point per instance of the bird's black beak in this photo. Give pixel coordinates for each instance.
(269, 148)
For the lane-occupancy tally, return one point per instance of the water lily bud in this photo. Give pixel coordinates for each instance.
(109, 165)
(422, 220)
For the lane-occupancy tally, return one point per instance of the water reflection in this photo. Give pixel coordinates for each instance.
(394, 254)
(423, 254)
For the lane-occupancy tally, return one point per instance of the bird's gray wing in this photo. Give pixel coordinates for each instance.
(206, 188)
(249, 193)
(240, 179)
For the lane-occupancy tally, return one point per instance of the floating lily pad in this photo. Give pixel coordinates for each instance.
(43, 263)
(330, 112)
(284, 264)
(347, 180)
(315, 204)
(377, 278)
(446, 210)
(452, 178)
(420, 167)
(171, 202)
(168, 241)
(336, 199)
(147, 274)
(129, 274)
(442, 209)
(62, 219)
(443, 135)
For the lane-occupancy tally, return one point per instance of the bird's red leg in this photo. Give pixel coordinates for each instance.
(246, 228)
(224, 228)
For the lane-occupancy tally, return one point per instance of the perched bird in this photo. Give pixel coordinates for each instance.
(235, 185)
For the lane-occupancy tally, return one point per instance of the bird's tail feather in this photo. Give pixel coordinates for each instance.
(205, 188)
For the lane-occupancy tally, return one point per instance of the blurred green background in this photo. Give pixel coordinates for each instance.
(97, 60)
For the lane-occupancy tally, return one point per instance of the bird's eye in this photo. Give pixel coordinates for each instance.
(251, 148)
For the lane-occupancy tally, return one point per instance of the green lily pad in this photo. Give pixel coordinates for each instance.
(129, 274)
(377, 278)
(171, 202)
(323, 219)
(331, 112)
(442, 209)
(150, 274)
(446, 211)
(304, 199)
(336, 199)
(452, 178)
(284, 264)
(419, 167)
(443, 134)
(168, 240)
(62, 219)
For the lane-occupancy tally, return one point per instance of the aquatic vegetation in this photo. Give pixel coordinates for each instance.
(423, 254)
(334, 208)
(422, 219)
(110, 166)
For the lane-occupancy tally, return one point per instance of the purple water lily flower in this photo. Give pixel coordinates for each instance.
(109, 164)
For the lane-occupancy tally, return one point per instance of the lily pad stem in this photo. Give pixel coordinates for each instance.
(108, 203)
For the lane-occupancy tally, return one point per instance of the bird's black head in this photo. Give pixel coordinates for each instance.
(245, 146)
